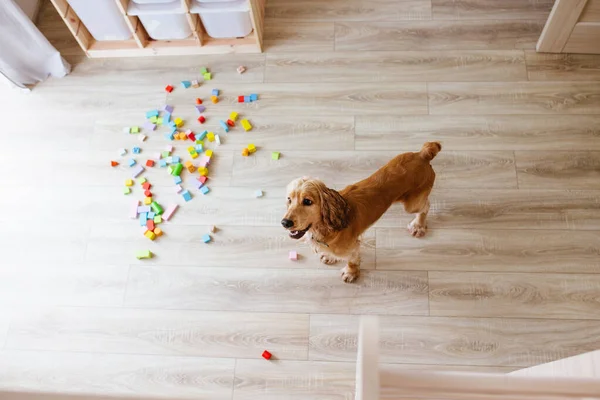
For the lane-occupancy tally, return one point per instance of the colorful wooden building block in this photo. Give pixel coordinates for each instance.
(158, 232)
(169, 212)
(203, 171)
(215, 92)
(150, 163)
(131, 162)
(148, 200)
(258, 193)
(126, 190)
(150, 235)
(293, 256)
(214, 99)
(198, 100)
(129, 182)
(137, 171)
(201, 119)
(152, 113)
(253, 97)
(177, 180)
(210, 136)
(251, 148)
(178, 188)
(186, 195)
(245, 152)
(233, 116)
(200, 109)
(157, 208)
(204, 190)
(224, 126)
(178, 122)
(206, 238)
(266, 355)
(246, 125)
(168, 108)
(169, 88)
(114, 163)
(186, 84)
(143, 254)
(240, 99)
(195, 84)
(207, 76)
(208, 153)
(275, 155)
(230, 123)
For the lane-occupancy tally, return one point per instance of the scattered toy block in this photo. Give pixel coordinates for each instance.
(169, 88)
(202, 135)
(143, 219)
(153, 120)
(141, 138)
(241, 69)
(275, 155)
(148, 200)
(152, 113)
(213, 229)
(251, 148)
(162, 163)
(131, 162)
(143, 254)
(137, 171)
(293, 256)
(178, 122)
(168, 108)
(150, 163)
(134, 209)
(215, 92)
(129, 182)
(151, 215)
(146, 185)
(159, 121)
(150, 224)
(203, 70)
(218, 140)
(214, 99)
(246, 99)
(126, 190)
(204, 190)
(253, 97)
(208, 153)
(169, 212)
(150, 235)
(122, 152)
(203, 178)
(197, 184)
(224, 126)
(258, 193)
(186, 84)
(158, 232)
(195, 84)
(266, 355)
(201, 119)
(230, 123)
(198, 100)
(186, 195)
(143, 209)
(114, 163)
(157, 208)
(200, 109)
(233, 116)
(147, 193)
(192, 137)
(210, 136)
(175, 159)
(177, 170)
(194, 155)
(206, 238)
(207, 76)
(177, 180)
(246, 125)
(157, 220)
(149, 126)
(178, 188)
(166, 117)
(203, 171)
(127, 130)
(190, 167)
(245, 153)
(142, 180)
(240, 99)
(199, 147)
(204, 161)
(136, 150)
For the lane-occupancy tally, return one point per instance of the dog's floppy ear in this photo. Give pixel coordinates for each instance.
(334, 209)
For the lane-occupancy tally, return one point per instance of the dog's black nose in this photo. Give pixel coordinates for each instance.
(287, 223)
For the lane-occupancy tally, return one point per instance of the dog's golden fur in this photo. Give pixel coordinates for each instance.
(335, 220)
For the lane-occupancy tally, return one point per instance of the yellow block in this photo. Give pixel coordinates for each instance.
(210, 136)
(203, 171)
(246, 125)
(188, 164)
(233, 116)
(150, 235)
(245, 152)
(129, 182)
(214, 99)
(208, 153)
(251, 148)
(148, 201)
(178, 122)
(194, 155)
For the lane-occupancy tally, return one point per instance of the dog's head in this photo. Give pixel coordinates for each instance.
(312, 205)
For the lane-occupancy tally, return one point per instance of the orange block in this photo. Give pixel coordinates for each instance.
(214, 99)
(158, 232)
(198, 101)
(114, 163)
(245, 152)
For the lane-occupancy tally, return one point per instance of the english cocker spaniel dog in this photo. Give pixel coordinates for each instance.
(333, 221)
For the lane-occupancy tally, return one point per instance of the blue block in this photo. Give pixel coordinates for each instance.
(186, 84)
(173, 131)
(151, 215)
(131, 162)
(199, 148)
(253, 97)
(215, 92)
(169, 136)
(168, 160)
(175, 159)
(177, 180)
(153, 113)
(204, 190)
(186, 195)
(162, 163)
(224, 126)
(166, 117)
(172, 125)
(136, 150)
(202, 135)
(206, 238)
(246, 99)
(143, 219)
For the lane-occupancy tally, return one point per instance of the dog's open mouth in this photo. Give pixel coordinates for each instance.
(299, 234)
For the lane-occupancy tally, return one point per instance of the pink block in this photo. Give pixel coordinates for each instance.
(293, 256)
(134, 209)
(178, 188)
(169, 148)
(170, 210)
(205, 160)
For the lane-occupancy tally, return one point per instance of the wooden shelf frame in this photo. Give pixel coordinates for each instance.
(142, 45)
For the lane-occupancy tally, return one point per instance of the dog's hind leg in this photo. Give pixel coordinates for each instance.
(420, 205)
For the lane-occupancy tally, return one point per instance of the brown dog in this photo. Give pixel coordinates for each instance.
(335, 220)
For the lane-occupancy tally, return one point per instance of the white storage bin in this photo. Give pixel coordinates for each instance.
(224, 18)
(102, 18)
(163, 21)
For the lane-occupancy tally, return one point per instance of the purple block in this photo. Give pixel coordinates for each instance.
(149, 126)
(138, 171)
(200, 109)
(197, 184)
(204, 160)
(143, 209)
(168, 108)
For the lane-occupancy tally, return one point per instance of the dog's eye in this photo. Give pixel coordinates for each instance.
(307, 202)
(289, 200)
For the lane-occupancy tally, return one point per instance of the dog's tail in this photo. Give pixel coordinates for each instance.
(430, 150)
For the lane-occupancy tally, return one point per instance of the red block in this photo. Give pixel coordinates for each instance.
(148, 193)
(150, 163)
(266, 355)
(192, 136)
(202, 179)
(201, 119)
(198, 101)
(146, 185)
(230, 122)
(114, 163)
(240, 99)
(169, 88)
(150, 224)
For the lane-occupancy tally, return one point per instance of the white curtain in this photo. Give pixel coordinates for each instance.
(26, 56)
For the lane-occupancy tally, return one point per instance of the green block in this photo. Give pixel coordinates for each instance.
(165, 154)
(207, 76)
(275, 155)
(142, 181)
(159, 121)
(143, 254)
(126, 190)
(177, 170)
(171, 169)
(153, 119)
(158, 210)
(157, 219)
(203, 70)
(134, 129)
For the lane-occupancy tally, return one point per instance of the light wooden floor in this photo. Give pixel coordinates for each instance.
(508, 277)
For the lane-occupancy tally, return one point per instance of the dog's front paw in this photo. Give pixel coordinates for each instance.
(416, 229)
(327, 259)
(350, 274)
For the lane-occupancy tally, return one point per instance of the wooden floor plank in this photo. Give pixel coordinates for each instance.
(514, 98)
(562, 67)
(480, 250)
(558, 169)
(491, 9)
(161, 332)
(455, 341)
(453, 169)
(477, 294)
(301, 36)
(480, 132)
(262, 290)
(349, 10)
(506, 209)
(437, 35)
(388, 66)
(181, 245)
(112, 374)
